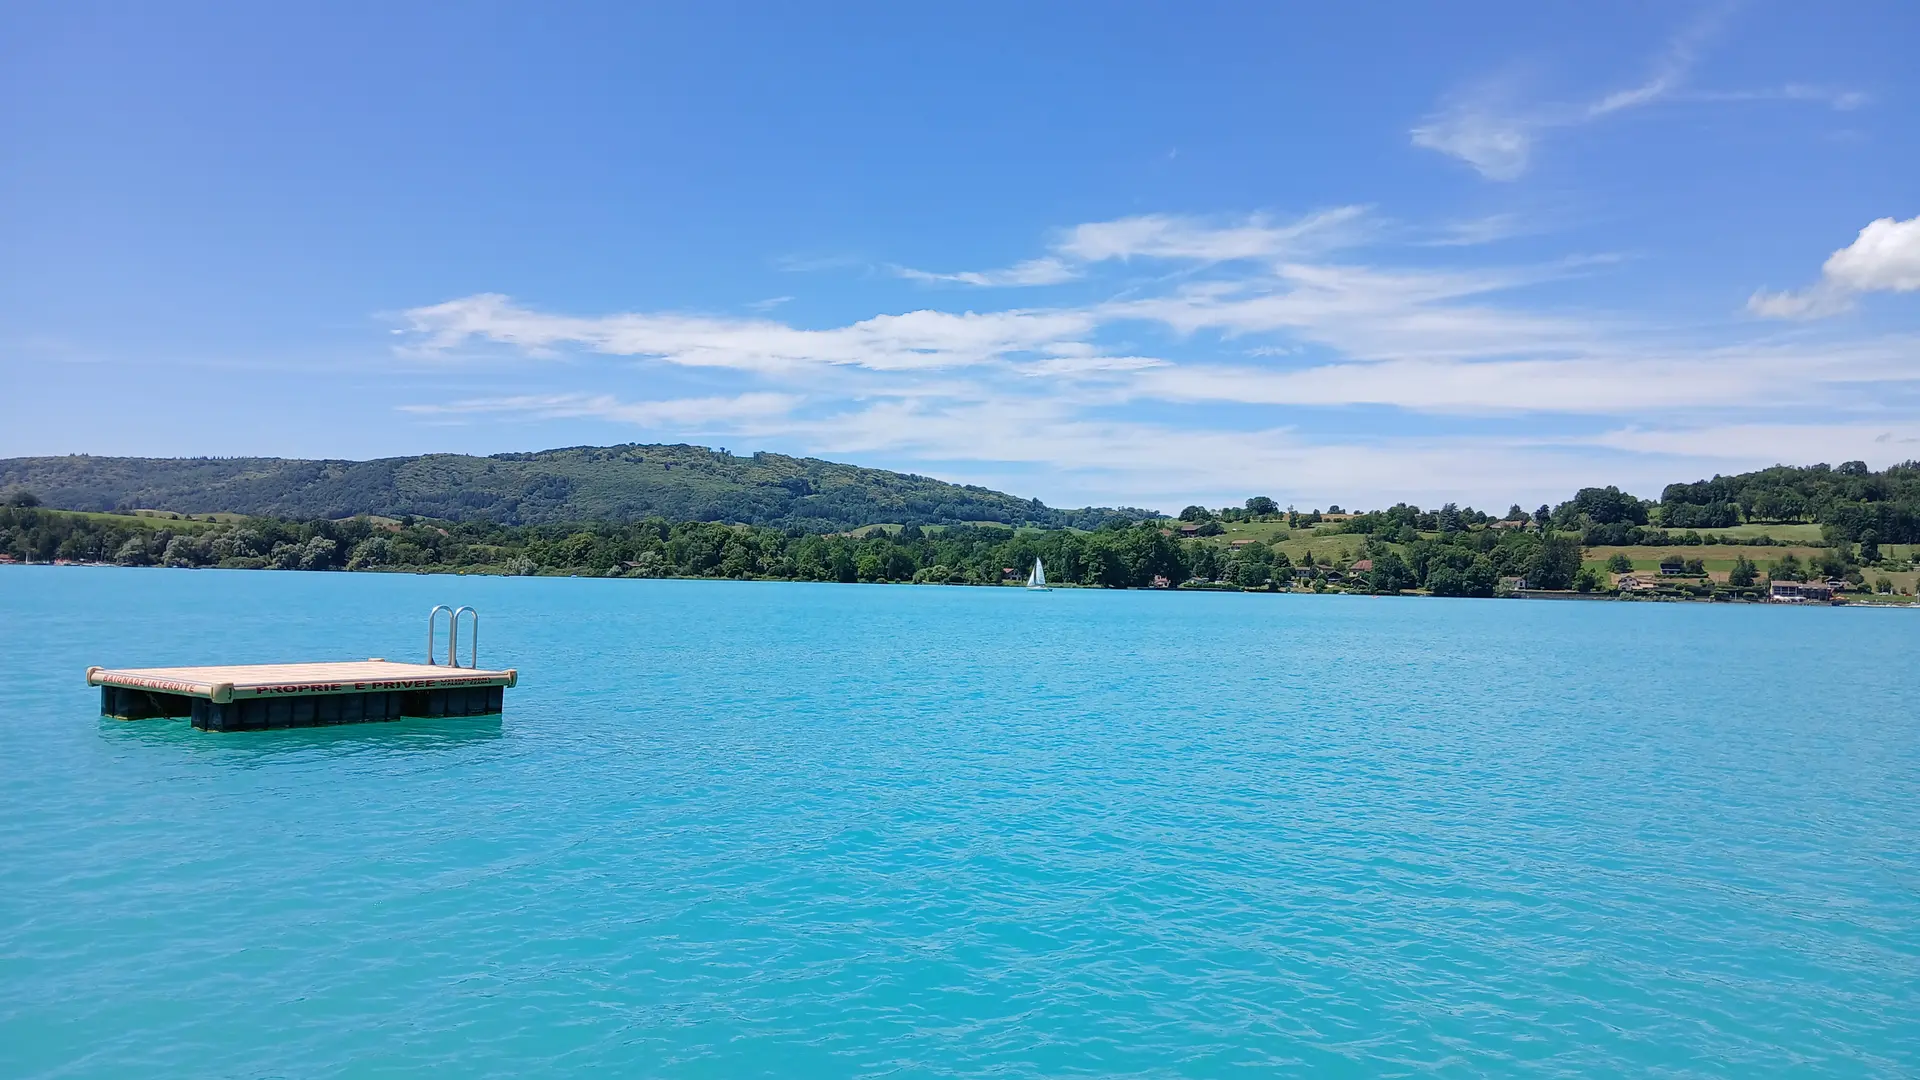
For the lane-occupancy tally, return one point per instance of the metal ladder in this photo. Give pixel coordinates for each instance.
(453, 635)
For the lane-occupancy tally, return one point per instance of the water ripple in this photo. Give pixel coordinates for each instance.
(791, 830)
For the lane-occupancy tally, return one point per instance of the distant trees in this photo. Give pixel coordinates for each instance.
(1477, 578)
(1831, 563)
(606, 483)
(1554, 563)
(1848, 501)
(1251, 573)
(1390, 574)
(1743, 574)
(1600, 506)
(1448, 551)
(1717, 515)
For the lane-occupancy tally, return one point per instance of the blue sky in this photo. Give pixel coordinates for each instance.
(1096, 254)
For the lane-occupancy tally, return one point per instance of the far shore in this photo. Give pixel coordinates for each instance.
(1519, 594)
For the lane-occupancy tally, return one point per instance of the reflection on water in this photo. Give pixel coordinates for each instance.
(411, 735)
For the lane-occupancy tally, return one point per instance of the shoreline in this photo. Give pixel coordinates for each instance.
(1409, 594)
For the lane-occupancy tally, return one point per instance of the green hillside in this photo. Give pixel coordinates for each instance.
(580, 483)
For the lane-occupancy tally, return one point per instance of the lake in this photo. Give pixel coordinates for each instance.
(758, 829)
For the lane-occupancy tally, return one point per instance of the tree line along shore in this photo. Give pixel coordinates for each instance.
(1707, 541)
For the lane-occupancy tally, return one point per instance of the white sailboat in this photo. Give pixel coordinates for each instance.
(1038, 579)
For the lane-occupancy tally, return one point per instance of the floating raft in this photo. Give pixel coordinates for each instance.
(256, 697)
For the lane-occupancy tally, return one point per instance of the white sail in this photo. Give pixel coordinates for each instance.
(1037, 579)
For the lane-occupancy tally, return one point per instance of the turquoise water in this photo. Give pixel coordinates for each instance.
(730, 829)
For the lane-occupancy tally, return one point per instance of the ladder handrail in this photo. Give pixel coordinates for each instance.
(473, 648)
(433, 620)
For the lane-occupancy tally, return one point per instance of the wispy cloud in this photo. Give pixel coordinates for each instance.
(681, 413)
(1043, 271)
(1371, 312)
(1481, 129)
(814, 264)
(1885, 257)
(915, 340)
(1472, 232)
(1216, 375)
(1616, 380)
(1799, 443)
(1838, 100)
(1174, 237)
(1491, 128)
(1164, 236)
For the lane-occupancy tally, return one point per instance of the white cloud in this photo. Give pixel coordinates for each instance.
(1069, 458)
(1211, 381)
(1885, 257)
(1813, 303)
(910, 341)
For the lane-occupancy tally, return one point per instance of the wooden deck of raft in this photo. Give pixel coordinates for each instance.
(259, 696)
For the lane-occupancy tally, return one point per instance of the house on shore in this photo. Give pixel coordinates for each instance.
(1793, 592)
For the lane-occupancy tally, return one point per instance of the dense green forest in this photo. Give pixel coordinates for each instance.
(1852, 503)
(690, 483)
(582, 483)
(1118, 555)
(1858, 504)
(1448, 551)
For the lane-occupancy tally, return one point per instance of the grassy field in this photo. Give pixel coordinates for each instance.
(158, 519)
(1265, 531)
(1782, 533)
(1719, 558)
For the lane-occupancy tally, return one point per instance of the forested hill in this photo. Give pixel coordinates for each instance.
(1853, 500)
(581, 483)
